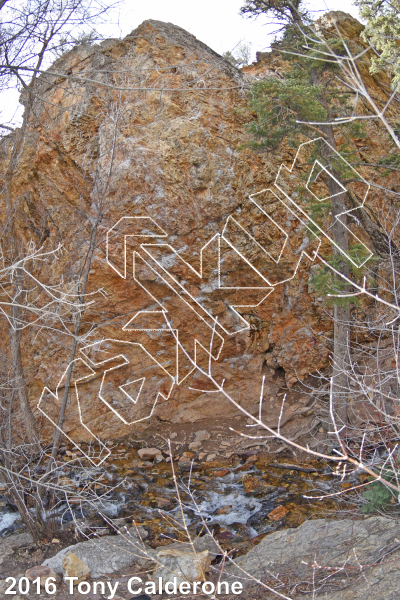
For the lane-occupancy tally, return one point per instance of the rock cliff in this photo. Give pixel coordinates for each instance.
(151, 128)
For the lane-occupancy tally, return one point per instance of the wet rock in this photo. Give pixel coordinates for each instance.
(246, 455)
(149, 453)
(164, 503)
(240, 529)
(225, 535)
(73, 566)
(211, 457)
(254, 485)
(186, 463)
(251, 459)
(221, 473)
(260, 521)
(138, 464)
(278, 513)
(140, 532)
(188, 455)
(202, 530)
(224, 510)
(170, 535)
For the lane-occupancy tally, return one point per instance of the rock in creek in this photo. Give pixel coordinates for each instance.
(255, 485)
(149, 453)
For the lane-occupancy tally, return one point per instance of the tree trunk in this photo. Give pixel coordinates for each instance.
(342, 313)
(19, 384)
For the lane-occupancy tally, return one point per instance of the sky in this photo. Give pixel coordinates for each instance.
(217, 23)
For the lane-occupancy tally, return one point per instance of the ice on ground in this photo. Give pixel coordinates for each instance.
(243, 508)
(7, 519)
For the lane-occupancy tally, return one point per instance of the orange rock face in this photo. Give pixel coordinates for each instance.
(151, 130)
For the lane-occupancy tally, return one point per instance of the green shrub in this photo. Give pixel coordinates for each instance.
(378, 494)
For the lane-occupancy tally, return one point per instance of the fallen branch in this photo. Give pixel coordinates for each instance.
(295, 468)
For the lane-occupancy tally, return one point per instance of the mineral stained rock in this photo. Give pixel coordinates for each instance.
(73, 566)
(149, 130)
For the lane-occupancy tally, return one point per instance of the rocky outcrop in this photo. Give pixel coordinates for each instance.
(103, 556)
(151, 129)
(336, 559)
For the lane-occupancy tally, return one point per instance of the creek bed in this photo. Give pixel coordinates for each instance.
(240, 498)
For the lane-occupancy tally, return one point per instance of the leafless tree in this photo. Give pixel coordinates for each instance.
(32, 299)
(34, 31)
(29, 36)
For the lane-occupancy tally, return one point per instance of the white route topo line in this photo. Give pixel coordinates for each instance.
(147, 227)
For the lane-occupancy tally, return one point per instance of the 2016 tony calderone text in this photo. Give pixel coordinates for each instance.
(135, 586)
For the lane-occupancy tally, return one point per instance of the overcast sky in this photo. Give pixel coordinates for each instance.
(215, 22)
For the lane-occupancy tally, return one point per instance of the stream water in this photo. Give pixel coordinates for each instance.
(234, 497)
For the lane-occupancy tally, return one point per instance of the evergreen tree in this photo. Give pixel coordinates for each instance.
(382, 31)
(303, 105)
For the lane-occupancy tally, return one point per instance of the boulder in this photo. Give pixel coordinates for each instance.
(173, 167)
(149, 453)
(106, 555)
(199, 544)
(73, 566)
(184, 565)
(361, 558)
